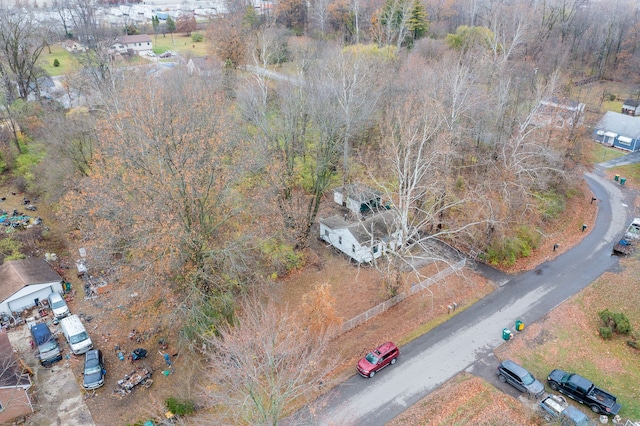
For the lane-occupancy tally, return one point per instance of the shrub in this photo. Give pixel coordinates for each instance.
(282, 256)
(180, 407)
(197, 37)
(508, 250)
(56, 62)
(616, 321)
(606, 332)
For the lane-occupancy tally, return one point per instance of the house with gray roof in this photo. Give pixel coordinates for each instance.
(136, 43)
(631, 107)
(364, 240)
(357, 197)
(618, 130)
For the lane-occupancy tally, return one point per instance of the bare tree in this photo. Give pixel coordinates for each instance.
(353, 79)
(21, 43)
(161, 195)
(264, 362)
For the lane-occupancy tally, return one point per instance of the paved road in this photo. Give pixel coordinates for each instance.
(472, 335)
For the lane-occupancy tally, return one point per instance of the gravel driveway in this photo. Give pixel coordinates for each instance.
(58, 398)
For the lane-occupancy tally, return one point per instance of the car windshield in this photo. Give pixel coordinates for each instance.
(47, 346)
(79, 337)
(92, 369)
(528, 379)
(371, 358)
(58, 304)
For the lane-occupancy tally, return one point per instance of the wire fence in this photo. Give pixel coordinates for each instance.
(387, 304)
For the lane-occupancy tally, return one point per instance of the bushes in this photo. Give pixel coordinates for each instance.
(614, 322)
(180, 407)
(508, 250)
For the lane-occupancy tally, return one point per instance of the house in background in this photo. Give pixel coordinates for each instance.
(559, 113)
(14, 384)
(137, 43)
(357, 198)
(202, 66)
(631, 107)
(618, 130)
(363, 241)
(24, 283)
(73, 46)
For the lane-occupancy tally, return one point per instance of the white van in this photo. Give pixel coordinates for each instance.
(58, 306)
(76, 335)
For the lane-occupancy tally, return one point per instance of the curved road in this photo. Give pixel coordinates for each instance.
(429, 361)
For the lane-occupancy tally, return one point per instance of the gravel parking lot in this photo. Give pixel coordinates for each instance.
(58, 399)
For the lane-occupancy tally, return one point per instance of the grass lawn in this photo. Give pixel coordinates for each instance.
(615, 106)
(568, 339)
(601, 153)
(179, 43)
(68, 63)
(630, 171)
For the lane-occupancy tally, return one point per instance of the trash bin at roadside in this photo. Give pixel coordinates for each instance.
(506, 333)
(622, 181)
(519, 325)
(616, 177)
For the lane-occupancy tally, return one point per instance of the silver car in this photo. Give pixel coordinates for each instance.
(519, 378)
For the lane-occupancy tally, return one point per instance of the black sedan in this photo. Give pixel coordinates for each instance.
(93, 370)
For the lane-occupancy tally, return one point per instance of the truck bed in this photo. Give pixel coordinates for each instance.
(606, 399)
(623, 247)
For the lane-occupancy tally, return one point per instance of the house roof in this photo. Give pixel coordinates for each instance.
(567, 104)
(632, 103)
(139, 38)
(10, 369)
(16, 274)
(378, 226)
(358, 192)
(621, 124)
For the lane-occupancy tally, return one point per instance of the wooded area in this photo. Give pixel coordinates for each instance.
(209, 187)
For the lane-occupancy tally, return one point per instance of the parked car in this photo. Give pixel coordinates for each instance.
(93, 369)
(379, 358)
(556, 409)
(166, 54)
(584, 391)
(46, 344)
(519, 378)
(58, 305)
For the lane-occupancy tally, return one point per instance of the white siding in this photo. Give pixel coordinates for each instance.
(24, 298)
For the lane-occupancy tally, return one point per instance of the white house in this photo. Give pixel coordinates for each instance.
(73, 46)
(357, 198)
(362, 241)
(631, 107)
(138, 43)
(559, 113)
(202, 66)
(25, 282)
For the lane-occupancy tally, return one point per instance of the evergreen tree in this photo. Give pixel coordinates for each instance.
(155, 21)
(171, 26)
(419, 20)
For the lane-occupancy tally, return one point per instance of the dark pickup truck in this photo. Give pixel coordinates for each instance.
(583, 391)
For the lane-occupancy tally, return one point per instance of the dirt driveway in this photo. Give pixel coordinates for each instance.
(57, 395)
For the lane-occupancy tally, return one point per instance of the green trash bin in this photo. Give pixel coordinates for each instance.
(506, 333)
(519, 325)
(622, 181)
(67, 287)
(616, 177)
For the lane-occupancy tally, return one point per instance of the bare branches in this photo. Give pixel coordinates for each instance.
(264, 362)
